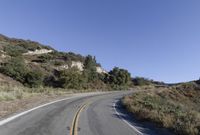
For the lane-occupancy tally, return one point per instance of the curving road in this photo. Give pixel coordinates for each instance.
(97, 114)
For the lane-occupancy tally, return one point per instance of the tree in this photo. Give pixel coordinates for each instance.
(90, 69)
(90, 63)
(71, 79)
(198, 81)
(119, 77)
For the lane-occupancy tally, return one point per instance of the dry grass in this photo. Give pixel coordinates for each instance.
(176, 108)
(18, 98)
(15, 99)
(8, 93)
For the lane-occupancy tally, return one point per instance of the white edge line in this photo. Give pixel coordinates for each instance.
(118, 114)
(5, 121)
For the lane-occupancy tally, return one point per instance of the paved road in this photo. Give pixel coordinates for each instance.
(88, 115)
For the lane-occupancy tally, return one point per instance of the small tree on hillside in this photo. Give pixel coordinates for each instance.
(140, 81)
(71, 79)
(119, 76)
(90, 69)
(90, 63)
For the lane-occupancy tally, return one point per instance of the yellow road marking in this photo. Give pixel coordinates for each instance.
(74, 126)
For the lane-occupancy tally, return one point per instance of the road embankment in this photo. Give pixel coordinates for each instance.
(174, 109)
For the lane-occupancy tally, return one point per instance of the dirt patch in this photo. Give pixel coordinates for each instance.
(5, 80)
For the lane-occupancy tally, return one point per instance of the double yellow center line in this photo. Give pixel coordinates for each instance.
(74, 126)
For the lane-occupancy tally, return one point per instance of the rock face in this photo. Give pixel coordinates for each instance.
(37, 52)
(100, 70)
(3, 56)
(63, 67)
(78, 65)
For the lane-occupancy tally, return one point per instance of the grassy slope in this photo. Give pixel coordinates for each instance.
(19, 98)
(176, 108)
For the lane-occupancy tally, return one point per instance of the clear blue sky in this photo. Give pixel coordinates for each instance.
(158, 39)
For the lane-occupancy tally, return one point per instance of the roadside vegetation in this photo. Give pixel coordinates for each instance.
(27, 79)
(176, 107)
(55, 69)
(19, 98)
(72, 78)
(32, 74)
(10, 93)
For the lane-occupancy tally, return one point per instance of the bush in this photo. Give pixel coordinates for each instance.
(68, 56)
(183, 117)
(14, 50)
(90, 69)
(30, 45)
(58, 63)
(90, 63)
(15, 68)
(119, 77)
(71, 79)
(45, 58)
(73, 57)
(50, 81)
(90, 76)
(140, 81)
(33, 79)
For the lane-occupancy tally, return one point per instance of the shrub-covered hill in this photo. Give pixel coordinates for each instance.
(33, 65)
(175, 107)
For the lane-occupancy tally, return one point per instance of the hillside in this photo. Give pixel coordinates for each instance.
(6, 80)
(175, 107)
(34, 65)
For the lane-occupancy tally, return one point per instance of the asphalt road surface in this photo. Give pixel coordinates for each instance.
(87, 115)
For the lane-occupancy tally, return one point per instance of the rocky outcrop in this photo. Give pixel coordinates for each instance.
(78, 65)
(63, 67)
(100, 70)
(37, 52)
(3, 56)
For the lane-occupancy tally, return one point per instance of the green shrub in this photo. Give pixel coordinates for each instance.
(165, 111)
(71, 79)
(45, 57)
(14, 50)
(70, 56)
(90, 69)
(58, 63)
(30, 45)
(90, 63)
(50, 81)
(119, 77)
(15, 68)
(140, 81)
(33, 79)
